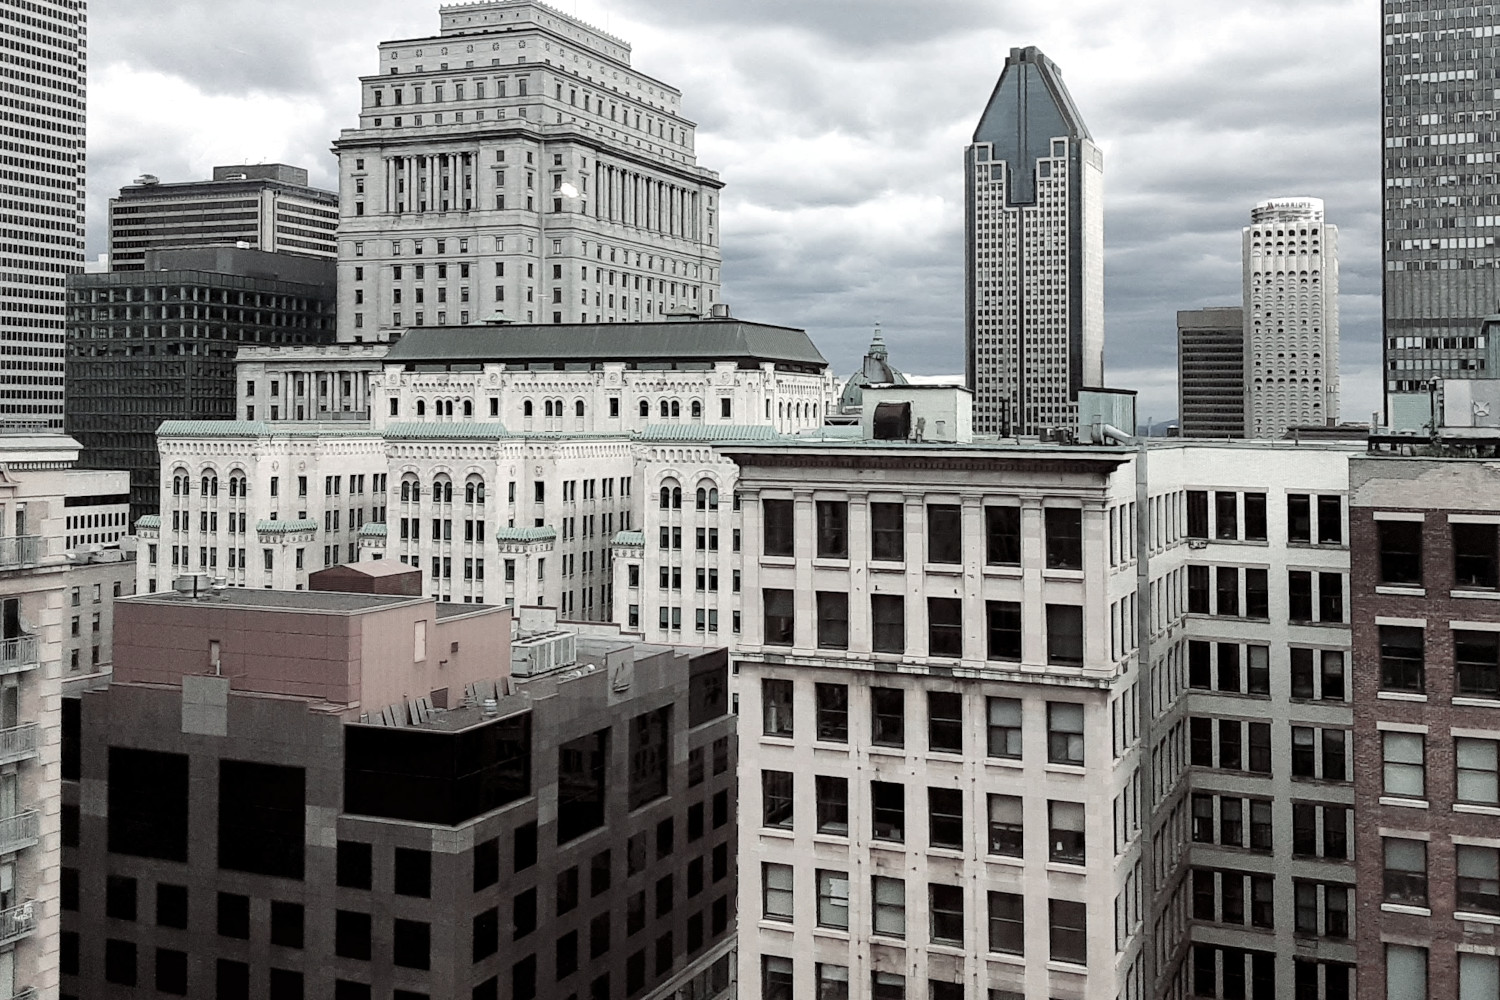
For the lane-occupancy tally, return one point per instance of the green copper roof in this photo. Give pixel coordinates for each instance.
(707, 432)
(151, 522)
(543, 534)
(285, 527)
(372, 530)
(481, 430)
(630, 538)
(213, 428)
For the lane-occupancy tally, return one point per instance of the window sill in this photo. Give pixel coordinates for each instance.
(943, 569)
(777, 741)
(1415, 911)
(884, 750)
(1394, 590)
(1076, 970)
(1076, 769)
(1006, 958)
(831, 839)
(831, 933)
(788, 561)
(1400, 696)
(1009, 860)
(1014, 763)
(954, 948)
(885, 566)
(1476, 595)
(885, 939)
(945, 852)
(1403, 803)
(1465, 702)
(830, 562)
(1469, 916)
(1475, 809)
(1003, 570)
(1068, 867)
(831, 746)
(780, 926)
(778, 833)
(1059, 573)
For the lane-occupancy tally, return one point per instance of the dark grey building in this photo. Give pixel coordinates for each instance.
(1211, 372)
(1034, 253)
(160, 344)
(264, 827)
(1442, 186)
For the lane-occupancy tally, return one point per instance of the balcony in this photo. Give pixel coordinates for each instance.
(21, 551)
(18, 654)
(17, 922)
(20, 831)
(18, 743)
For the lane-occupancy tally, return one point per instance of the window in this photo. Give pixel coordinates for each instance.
(1007, 825)
(1404, 870)
(833, 899)
(944, 533)
(776, 977)
(776, 707)
(1065, 635)
(832, 712)
(1474, 556)
(945, 907)
(1330, 520)
(1330, 597)
(1405, 971)
(1299, 595)
(889, 914)
(1002, 534)
(1257, 594)
(1326, 681)
(945, 627)
(945, 722)
(1227, 579)
(413, 873)
(832, 982)
(1401, 658)
(1064, 733)
(1255, 517)
(1477, 658)
(1404, 771)
(832, 795)
(1299, 518)
(1478, 976)
(1400, 545)
(833, 529)
(779, 617)
(1068, 931)
(1226, 516)
(833, 619)
(887, 986)
(888, 717)
(888, 623)
(1476, 763)
(1004, 736)
(1197, 577)
(1478, 879)
(888, 811)
(1066, 827)
(1007, 923)
(1004, 630)
(776, 799)
(779, 538)
(776, 891)
(1064, 532)
(1197, 514)
(945, 818)
(887, 531)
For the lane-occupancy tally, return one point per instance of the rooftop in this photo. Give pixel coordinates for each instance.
(318, 601)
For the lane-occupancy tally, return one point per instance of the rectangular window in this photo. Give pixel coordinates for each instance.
(833, 619)
(887, 531)
(776, 799)
(833, 529)
(1405, 773)
(888, 811)
(1004, 630)
(1330, 597)
(1068, 931)
(1476, 656)
(889, 896)
(945, 722)
(1064, 536)
(1402, 658)
(833, 899)
(1257, 594)
(779, 617)
(1299, 595)
(832, 796)
(1004, 728)
(1405, 971)
(1002, 532)
(1197, 514)
(888, 623)
(1400, 545)
(888, 717)
(1255, 517)
(1299, 518)
(1478, 879)
(1476, 764)
(779, 536)
(945, 908)
(1065, 635)
(1197, 577)
(776, 707)
(945, 627)
(833, 712)
(1007, 923)
(944, 533)
(1227, 588)
(1478, 976)
(1330, 520)
(1405, 878)
(1474, 556)
(1064, 733)
(776, 892)
(945, 818)
(1006, 825)
(1226, 516)
(1066, 830)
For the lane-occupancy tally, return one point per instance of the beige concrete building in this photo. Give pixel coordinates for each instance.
(517, 165)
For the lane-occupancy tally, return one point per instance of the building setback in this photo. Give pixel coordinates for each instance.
(1441, 186)
(516, 165)
(1034, 253)
(160, 344)
(252, 816)
(43, 115)
(1211, 372)
(267, 207)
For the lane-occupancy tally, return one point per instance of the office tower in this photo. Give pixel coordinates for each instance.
(352, 794)
(43, 114)
(516, 165)
(266, 206)
(1211, 372)
(1441, 188)
(1034, 253)
(160, 344)
(1291, 306)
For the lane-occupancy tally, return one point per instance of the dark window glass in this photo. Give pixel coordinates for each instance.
(1002, 531)
(1066, 832)
(832, 805)
(1229, 666)
(1068, 931)
(945, 722)
(945, 627)
(1257, 594)
(780, 612)
(148, 804)
(1302, 673)
(234, 915)
(413, 873)
(171, 906)
(1330, 520)
(1065, 635)
(833, 529)
(171, 972)
(1298, 517)
(523, 914)
(286, 924)
(1299, 595)
(1226, 515)
(351, 935)
(232, 980)
(1200, 665)
(650, 738)
(776, 707)
(581, 768)
(411, 944)
(777, 798)
(119, 897)
(1198, 590)
(486, 863)
(1400, 544)
(1004, 631)
(601, 869)
(945, 906)
(1405, 879)
(119, 962)
(833, 712)
(887, 531)
(708, 688)
(523, 853)
(945, 817)
(1477, 657)
(486, 934)
(1006, 826)
(1227, 587)
(1255, 517)
(1260, 747)
(1402, 658)
(1474, 556)
(1330, 597)
(833, 619)
(262, 818)
(944, 533)
(1064, 532)
(1197, 514)
(888, 623)
(778, 527)
(888, 810)
(565, 887)
(888, 716)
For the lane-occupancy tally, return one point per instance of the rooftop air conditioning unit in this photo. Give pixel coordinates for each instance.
(540, 654)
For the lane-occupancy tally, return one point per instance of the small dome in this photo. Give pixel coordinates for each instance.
(876, 370)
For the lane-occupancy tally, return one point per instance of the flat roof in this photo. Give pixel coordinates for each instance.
(322, 601)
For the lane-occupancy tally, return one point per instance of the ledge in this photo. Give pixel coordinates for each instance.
(1403, 803)
(1415, 911)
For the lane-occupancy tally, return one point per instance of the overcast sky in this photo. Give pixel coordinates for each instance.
(839, 126)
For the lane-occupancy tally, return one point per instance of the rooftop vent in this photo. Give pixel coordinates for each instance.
(540, 654)
(892, 422)
(719, 310)
(149, 180)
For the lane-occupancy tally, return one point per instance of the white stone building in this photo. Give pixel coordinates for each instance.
(326, 382)
(1291, 314)
(517, 165)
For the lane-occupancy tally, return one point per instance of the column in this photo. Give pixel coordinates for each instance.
(1033, 600)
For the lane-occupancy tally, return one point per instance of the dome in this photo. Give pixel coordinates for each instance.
(876, 370)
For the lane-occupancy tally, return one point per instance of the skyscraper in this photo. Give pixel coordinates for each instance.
(1034, 254)
(1211, 372)
(516, 165)
(1441, 188)
(43, 113)
(1291, 289)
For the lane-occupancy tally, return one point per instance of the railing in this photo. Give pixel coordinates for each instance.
(19, 831)
(18, 922)
(29, 993)
(18, 743)
(20, 550)
(18, 654)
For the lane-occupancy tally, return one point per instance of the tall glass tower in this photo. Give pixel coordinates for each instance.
(1034, 254)
(1442, 188)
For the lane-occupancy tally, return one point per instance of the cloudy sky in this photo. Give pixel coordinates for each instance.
(839, 127)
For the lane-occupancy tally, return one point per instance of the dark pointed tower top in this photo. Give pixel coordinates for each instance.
(1028, 109)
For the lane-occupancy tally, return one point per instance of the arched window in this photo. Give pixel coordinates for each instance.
(665, 409)
(479, 492)
(237, 486)
(421, 408)
(713, 499)
(547, 407)
(697, 410)
(468, 492)
(416, 492)
(210, 486)
(666, 497)
(405, 491)
(645, 408)
(468, 407)
(578, 408)
(676, 498)
(676, 408)
(702, 498)
(526, 410)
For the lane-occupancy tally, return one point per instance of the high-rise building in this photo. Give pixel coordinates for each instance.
(1441, 186)
(1034, 254)
(516, 165)
(1291, 315)
(1211, 372)
(267, 207)
(43, 114)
